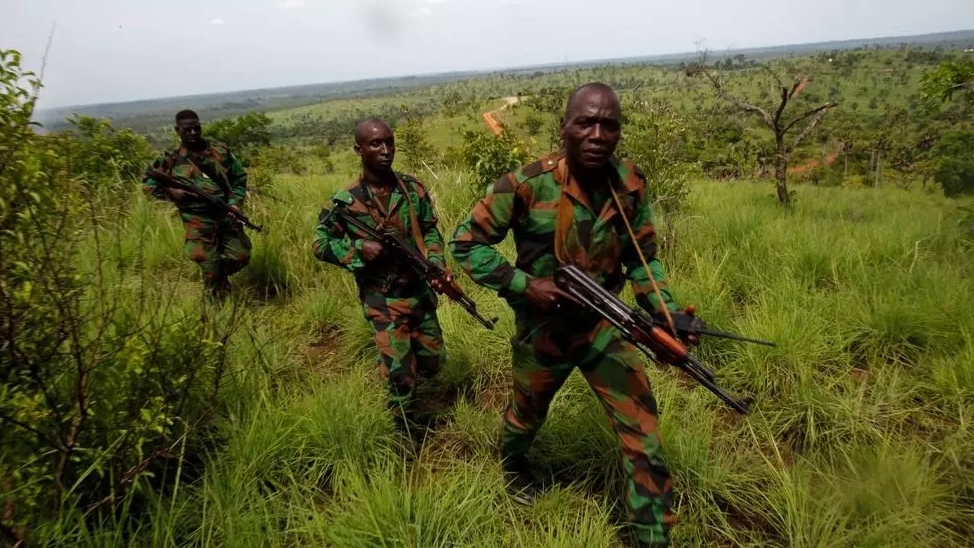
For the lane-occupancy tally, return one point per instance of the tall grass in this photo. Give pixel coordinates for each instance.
(860, 434)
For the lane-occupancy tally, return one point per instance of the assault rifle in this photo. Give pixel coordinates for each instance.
(644, 331)
(183, 184)
(424, 267)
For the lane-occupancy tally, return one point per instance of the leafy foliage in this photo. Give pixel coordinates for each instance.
(98, 379)
(243, 134)
(653, 137)
(411, 141)
(93, 151)
(489, 156)
(955, 164)
(948, 79)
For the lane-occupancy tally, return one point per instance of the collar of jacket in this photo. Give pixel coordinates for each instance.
(206, 151)
(395, 196)
(630, 182)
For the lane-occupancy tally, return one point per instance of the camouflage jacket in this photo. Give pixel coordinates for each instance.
(527, 202)
(216, 171)
(341, 245)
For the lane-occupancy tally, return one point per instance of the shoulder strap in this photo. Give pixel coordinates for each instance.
(220, 178)
(564, 214)
(413, 219)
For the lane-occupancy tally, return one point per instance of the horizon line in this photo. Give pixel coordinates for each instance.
(508, 68)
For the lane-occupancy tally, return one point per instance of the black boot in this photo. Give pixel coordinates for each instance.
(519, 480)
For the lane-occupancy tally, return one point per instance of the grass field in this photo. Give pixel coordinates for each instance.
(860, 433)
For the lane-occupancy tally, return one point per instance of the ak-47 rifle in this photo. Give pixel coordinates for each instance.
(426, 269)
(645, 332)
(183, 184)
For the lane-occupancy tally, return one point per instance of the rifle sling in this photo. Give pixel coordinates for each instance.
(221, 180)
(413, 220)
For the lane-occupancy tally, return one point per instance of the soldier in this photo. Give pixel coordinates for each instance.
(396, 301)
(215, 241)
(565, 208)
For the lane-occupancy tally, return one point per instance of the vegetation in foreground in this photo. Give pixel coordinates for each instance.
(128, 422)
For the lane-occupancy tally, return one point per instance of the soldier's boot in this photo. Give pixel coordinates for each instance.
(406, 424)
(220, 290)
(519, 481)
(649, 544)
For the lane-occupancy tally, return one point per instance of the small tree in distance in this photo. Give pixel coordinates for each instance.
(775, 120)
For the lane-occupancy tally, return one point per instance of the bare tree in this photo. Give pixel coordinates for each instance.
(773, 118)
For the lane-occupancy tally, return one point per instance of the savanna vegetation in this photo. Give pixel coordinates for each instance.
(134, 413)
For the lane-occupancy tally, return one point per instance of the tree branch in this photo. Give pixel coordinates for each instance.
(812, 112)
(722, 92)
(773, 74)
(43, 437)
(816, 118)
(799, 84)
(781, 108)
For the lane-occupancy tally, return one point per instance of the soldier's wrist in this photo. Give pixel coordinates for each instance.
(519, 282)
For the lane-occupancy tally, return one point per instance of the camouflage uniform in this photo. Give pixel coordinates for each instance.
(214, 241)
(398, 304)
(544, 208)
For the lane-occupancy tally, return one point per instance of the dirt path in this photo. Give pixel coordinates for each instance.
(807, 166)
(491, 120)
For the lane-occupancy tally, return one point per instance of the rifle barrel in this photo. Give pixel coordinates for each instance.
(181, 184)
(725, 335)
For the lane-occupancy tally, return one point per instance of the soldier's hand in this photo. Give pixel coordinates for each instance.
(176, 195)
(441, 285)
(543, 293)
(233, 218)
(686, 323)
(371, 250)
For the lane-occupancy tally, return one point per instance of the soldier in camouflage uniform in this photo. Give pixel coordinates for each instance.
(396, 301)
(213, 240)
(561, 210)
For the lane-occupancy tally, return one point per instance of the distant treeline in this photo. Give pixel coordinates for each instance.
(143, 116)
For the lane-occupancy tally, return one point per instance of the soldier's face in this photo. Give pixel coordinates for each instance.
(377, 147)
(190, 132)
(592, 128)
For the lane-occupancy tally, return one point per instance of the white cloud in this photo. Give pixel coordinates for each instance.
(294, 4)
(438, 1)
(424, 12)
(217, 22)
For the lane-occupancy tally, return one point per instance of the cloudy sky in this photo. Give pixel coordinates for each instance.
(114, 50)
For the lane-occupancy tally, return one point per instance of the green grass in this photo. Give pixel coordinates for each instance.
(860, 434)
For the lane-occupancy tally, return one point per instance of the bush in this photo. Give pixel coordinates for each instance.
(489, 156)
(955, 170)
(101, 377)
(652, 139)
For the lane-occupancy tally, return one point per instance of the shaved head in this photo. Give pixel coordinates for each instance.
(584, 91)
(376, 146)
(364, 129)
(591, 127)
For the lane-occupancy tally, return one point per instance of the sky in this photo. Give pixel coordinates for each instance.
(120, 50)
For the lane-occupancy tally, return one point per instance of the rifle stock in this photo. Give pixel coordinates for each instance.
(424, 267)
(640, 330)
(177, 182)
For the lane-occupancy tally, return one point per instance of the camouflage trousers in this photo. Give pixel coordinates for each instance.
(219, 247)
(542, 362)
(407, 334)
